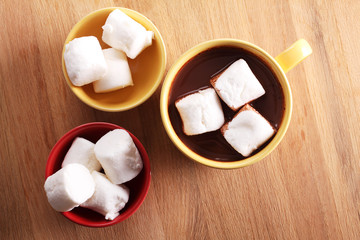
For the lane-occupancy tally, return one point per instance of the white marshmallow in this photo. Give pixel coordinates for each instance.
(123, 33)
(108, 198)
(118, 74)
(247, 131)
(82, 151)
(237, 85)
(84, 60)
(200, 112)
(69, 187)
(118, 155)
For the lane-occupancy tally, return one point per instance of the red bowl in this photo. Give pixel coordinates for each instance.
(138, 186)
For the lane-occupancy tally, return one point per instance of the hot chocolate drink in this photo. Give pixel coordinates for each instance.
(196, 74)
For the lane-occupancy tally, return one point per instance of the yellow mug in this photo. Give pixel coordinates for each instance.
(278, 66)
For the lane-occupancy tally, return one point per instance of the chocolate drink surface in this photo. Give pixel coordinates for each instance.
(196, 74)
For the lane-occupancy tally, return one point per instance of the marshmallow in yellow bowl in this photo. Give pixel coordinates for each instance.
(69, 187)
(200, 112)
(82, 151)
(108, 198)
(118, 74)
(247, 131)
(147, 69)
(84, 60)
(123, 33)
(119, 156)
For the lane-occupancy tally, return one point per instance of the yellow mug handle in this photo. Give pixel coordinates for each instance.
(294, 55)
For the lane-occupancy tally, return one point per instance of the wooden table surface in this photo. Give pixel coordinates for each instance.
(308, 188)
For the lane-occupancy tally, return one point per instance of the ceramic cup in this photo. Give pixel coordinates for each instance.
(278, 66)
(147, 69)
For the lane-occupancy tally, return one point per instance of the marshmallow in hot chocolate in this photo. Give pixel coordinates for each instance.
(119, 156)
(118, 74)
(123, 33)
(84, 60)
(82, 151)
(69, 187)
(237, 85)
(247, 131)
(200, 112)
(108, 198)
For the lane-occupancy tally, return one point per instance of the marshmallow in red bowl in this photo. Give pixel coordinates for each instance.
(109, 203)
(119, 156)
(108, 198)
(82, 152)
(69, 187)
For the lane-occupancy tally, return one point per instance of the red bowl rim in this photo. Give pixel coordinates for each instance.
(146, 168)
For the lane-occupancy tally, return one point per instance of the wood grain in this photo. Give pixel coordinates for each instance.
(308, 188)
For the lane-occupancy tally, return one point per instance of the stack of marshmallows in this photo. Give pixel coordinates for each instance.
(107, 69)
(79, 182)
(237, 86)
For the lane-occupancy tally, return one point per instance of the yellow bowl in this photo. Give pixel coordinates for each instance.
(147, 69)
(259, 53)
